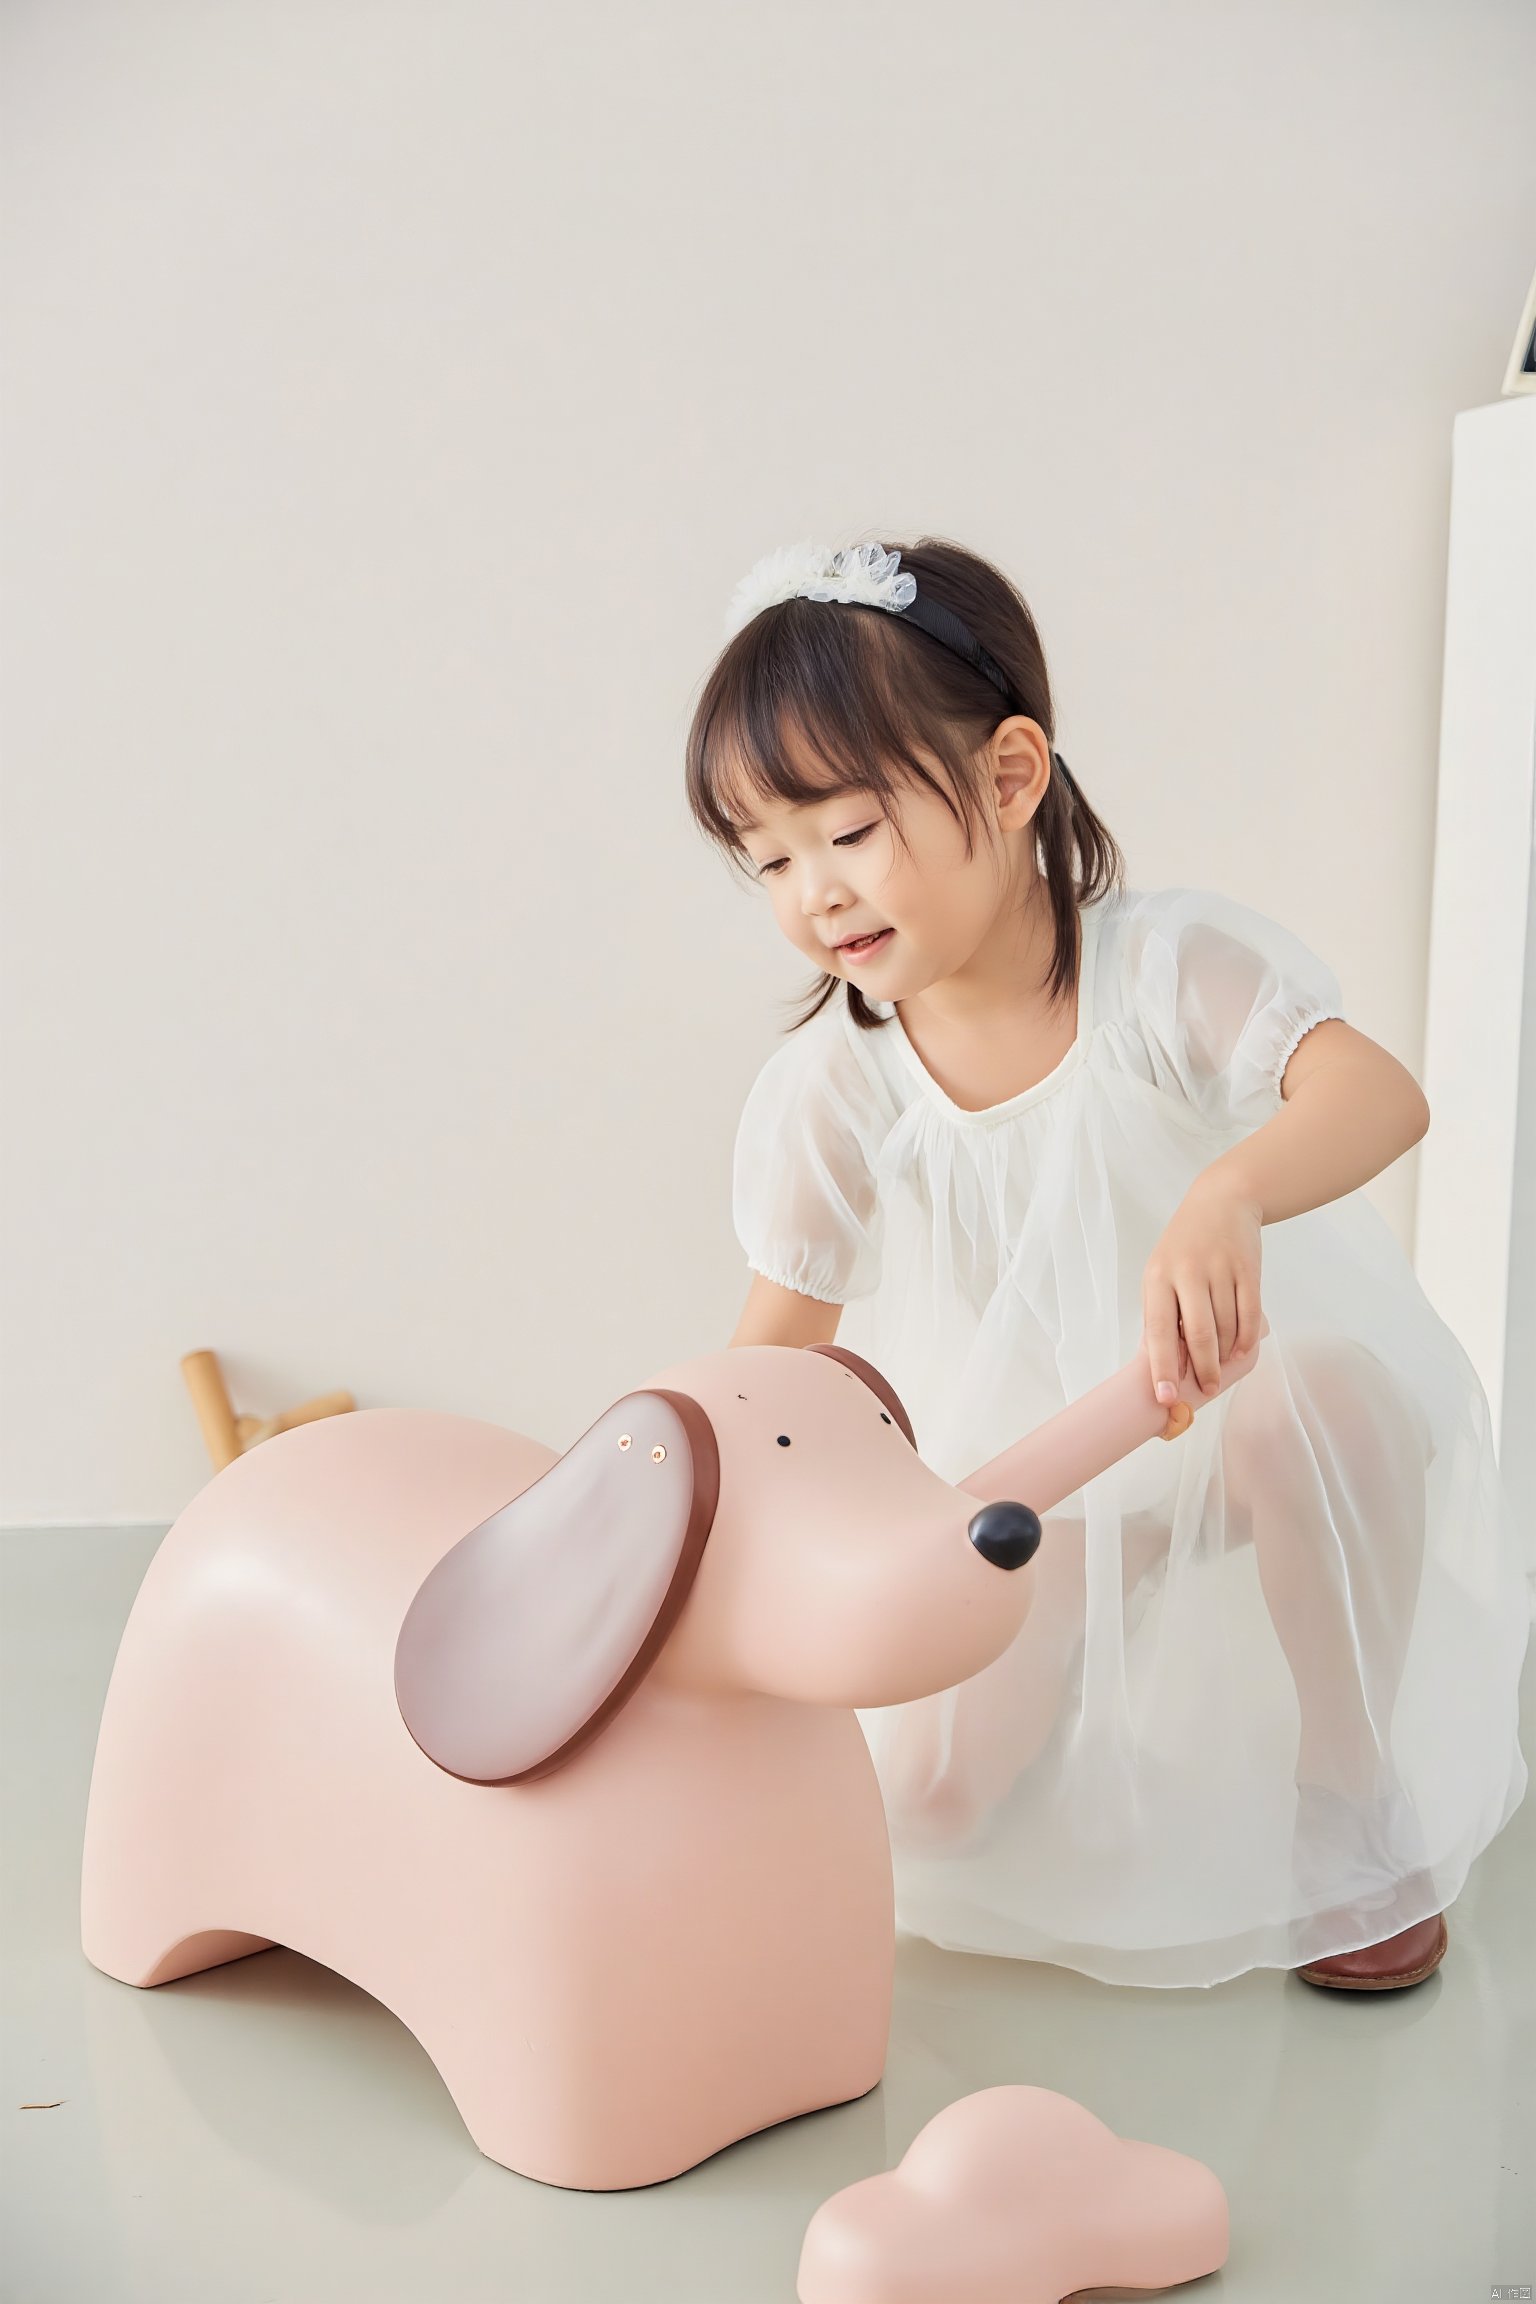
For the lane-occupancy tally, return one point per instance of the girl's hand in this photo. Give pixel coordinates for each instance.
(1200, 1291)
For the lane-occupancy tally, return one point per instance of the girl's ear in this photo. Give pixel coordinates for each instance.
(871, 1376)
(1021, 768)
(526, 1639)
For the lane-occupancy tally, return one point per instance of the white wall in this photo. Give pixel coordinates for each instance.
(394, 396)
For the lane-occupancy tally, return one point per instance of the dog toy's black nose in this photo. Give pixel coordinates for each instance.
(1005, 1534)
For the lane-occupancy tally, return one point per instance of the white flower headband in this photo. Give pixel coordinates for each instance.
(858, 572)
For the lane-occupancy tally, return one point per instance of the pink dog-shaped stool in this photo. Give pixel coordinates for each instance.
(556, 1755)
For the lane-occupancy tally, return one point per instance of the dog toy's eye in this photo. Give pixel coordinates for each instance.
(658, 1455)
(883, 1417)
(783, 1439)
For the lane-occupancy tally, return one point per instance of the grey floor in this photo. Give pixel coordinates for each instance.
(266, 2134)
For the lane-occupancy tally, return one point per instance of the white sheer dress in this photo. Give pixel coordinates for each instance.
(1264, 1708)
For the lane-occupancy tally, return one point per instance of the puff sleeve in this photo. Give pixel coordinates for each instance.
(803, 1198)
(1223, 996)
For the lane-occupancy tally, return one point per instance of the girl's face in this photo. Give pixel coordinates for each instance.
(895, 916)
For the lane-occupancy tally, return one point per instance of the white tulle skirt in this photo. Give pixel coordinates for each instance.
(1264, 1708)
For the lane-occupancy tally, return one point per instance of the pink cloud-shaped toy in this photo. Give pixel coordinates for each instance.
(1016, 2196)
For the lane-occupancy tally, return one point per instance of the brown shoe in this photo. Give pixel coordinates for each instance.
(1386, 1967)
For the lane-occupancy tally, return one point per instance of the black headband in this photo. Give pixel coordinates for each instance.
(951, 631)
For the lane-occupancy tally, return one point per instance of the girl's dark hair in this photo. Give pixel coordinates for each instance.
(861, 689)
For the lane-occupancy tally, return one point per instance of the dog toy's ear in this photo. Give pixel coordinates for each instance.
(528, 1637)
(867, 1374)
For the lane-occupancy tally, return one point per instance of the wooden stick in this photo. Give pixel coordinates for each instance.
(205, 1382)
(328, 1404)
(227, 1435)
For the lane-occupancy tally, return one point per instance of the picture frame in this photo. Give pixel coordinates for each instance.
(1520, 375)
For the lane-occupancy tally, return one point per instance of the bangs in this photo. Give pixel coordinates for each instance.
(802, 707)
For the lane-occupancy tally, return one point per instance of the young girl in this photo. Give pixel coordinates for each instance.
(1263, 1711)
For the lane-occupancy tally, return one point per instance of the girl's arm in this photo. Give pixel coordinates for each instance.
(775, 1315)
(1350, 1110)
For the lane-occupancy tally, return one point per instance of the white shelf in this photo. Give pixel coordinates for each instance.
(1476, 1222)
